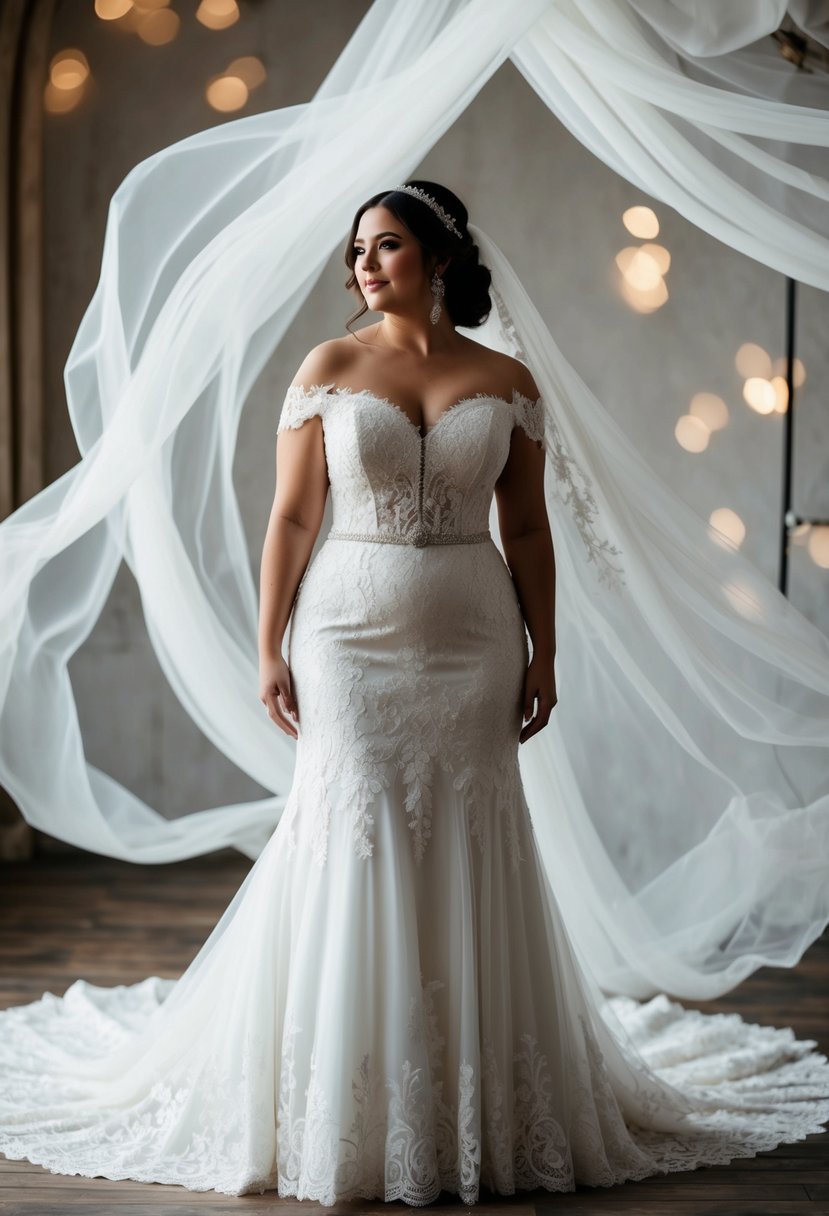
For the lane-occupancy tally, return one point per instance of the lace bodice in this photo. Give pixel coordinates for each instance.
(388, 478)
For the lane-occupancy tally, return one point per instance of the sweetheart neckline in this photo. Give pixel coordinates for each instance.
(347, 391)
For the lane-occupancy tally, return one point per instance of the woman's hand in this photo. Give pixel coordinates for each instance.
(540, 686)
(275, 683)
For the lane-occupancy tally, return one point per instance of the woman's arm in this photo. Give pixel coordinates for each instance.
(293, 527)
(528, 551)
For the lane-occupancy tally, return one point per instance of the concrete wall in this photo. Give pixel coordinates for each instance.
(554, 209)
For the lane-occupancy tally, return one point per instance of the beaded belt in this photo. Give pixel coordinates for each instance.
(419, 536)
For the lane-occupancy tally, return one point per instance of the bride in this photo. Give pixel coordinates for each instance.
(392, 1006)
(414, 362)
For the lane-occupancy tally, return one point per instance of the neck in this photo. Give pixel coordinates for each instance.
(417, 335)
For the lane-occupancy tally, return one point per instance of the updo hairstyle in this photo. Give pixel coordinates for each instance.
(466, 280)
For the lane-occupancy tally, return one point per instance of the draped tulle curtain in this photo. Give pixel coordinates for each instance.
(198, 285)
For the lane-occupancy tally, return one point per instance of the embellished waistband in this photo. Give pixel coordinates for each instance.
(419, 536)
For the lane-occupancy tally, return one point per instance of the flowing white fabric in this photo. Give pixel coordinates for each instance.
(693, 670)
(391, 1005)
(649, 601)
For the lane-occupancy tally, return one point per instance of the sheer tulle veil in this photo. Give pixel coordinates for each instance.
(693, 698)
(693, 704)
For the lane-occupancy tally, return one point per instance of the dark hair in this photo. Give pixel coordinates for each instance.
(466, 280)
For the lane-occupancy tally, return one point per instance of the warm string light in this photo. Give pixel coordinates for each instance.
(642, 268)
(691, 433)
(230, 90)
(815, 539)
(764, 381)
(157, 23)
(217, 14)
(68, 79)
(159, 26)
(112, 10)
(727, 528)
(706, 413)
(226, 93)
(818, 545)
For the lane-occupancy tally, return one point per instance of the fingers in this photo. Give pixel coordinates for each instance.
(278, 711)
(279, 718)
(546, 705)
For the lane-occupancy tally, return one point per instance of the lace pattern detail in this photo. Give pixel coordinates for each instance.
(416, 504)
(386, 478)
(431, 1141)
(300, 404)
(529, 415)
(375, 736)
(412, 1123)
(574, 490)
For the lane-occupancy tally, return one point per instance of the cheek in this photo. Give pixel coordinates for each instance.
(405, 264)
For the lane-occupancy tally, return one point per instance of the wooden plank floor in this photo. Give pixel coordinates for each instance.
(80, 916)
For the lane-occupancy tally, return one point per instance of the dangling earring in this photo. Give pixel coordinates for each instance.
(438, 291)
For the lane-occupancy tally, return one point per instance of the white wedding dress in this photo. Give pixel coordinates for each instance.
(391, 1005)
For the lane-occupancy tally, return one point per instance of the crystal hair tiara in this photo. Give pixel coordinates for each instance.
(439, 211)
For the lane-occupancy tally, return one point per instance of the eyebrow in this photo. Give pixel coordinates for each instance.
(378, 235)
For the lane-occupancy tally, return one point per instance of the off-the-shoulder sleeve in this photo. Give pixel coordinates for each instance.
(529, 415)
(302, 403)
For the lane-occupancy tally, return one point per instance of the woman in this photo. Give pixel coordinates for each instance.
(391, 1006)
(414, 355)
(467, 1047)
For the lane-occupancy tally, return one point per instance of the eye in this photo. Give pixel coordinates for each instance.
(358, 249)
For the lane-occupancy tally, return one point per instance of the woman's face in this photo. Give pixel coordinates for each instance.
(388, 263)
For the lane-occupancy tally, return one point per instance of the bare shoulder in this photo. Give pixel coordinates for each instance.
(507, 373)
(323, 364)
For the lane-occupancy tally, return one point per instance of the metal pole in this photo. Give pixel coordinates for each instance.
(788, 520)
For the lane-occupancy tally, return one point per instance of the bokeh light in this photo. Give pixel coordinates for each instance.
(249, 69)
(69, 69)
(641, 222)
(60, 101)
(818, 545)
(760, 394)
(660, 255)
(691, 433)
(112, 10)
(752, 360)
(642, 268)
(711, 409)
(68, 77)
(217, 14)
(644, 301)
(159, 27)
(798, 370)
(227, 93)
(727, 528)
(781, 392)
